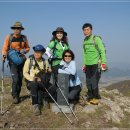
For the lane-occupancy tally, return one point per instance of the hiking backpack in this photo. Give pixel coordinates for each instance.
(14, 55)
(23, 39)
(94, 42)
(99, 61)
(32, 62)
(46, 66)
(96, 47)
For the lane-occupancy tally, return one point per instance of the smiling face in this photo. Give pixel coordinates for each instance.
(67, 57)
(59, 35)
(38, 55)
(87, 31)
(17, 31)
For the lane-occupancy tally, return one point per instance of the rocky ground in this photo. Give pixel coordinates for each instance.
(113, 111)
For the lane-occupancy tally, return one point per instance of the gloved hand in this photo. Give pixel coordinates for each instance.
(103, 67)
(50, 61)
(84, 68)
(3, 58)
(72, 77)
(61, 66)
(23, 51)
(36, 79)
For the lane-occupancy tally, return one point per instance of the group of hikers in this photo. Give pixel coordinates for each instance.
(61, 60)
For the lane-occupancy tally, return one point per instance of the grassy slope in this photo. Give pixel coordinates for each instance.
(21, 115)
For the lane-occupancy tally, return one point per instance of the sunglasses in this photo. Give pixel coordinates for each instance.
(67, 56)
(17, 28)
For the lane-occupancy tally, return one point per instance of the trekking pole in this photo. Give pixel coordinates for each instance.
(2, 87)
(67, 101)
(58, 105)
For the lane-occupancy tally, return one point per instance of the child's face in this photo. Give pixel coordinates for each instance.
(87, 31)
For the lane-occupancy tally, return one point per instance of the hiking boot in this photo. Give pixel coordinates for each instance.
(88, 102)
(98, 97)
(46, 104)
(84, 102)
(88, 98)
(16, 100)
(36, 109)
(94, 101)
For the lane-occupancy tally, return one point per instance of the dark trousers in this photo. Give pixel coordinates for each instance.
(37, 91)
(17, 76)
(74, 93)
(55, 72)
(92, 79)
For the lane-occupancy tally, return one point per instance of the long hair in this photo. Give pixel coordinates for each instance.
(64, 39)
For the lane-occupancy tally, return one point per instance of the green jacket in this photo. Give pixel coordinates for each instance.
(58, 51)
(92, 53)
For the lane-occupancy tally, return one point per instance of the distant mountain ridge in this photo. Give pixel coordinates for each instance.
(109, 77)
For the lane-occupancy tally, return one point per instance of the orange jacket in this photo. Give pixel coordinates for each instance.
(14, 45)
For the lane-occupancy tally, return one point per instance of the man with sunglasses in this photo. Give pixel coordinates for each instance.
(19, 42)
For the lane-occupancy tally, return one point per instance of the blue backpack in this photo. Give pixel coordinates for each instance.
(13, 55)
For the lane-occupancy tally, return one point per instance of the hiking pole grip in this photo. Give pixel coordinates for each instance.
(58, 105)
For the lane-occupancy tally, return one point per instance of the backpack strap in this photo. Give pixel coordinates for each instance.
(11, 37)
(24, 40)
(36, 64)
(54, 48)
(94, 42)
(10, 40)
(32, 60)
(44, 63)
(22, 37)
(31, 57)
(53, 51)
(84, 45)
(99, 61)
(47, 65)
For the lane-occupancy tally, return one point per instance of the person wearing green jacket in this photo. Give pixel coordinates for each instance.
(93, 52)
(56, 47)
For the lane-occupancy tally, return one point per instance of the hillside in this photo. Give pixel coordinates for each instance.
(112, 112)
(123, 87)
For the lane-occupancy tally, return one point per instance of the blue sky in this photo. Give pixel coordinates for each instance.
(111, 20)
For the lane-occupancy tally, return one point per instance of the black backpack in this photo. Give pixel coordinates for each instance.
(21, 39)
(43, 74)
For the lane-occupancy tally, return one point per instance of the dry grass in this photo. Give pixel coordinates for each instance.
(22, 115)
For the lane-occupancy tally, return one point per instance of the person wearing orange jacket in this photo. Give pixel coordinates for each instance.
(18, 42)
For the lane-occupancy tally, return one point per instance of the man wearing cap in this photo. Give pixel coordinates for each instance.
(30, 74)
(18, 42)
